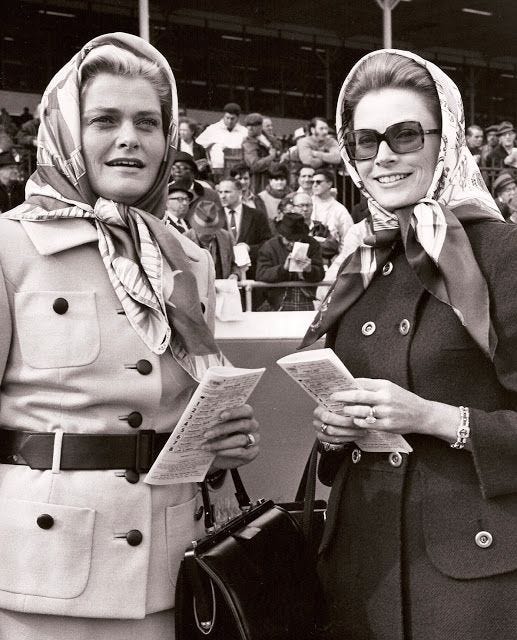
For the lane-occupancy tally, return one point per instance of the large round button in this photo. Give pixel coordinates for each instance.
(368, 328)
(60, 306)
(132, 476)
(404, 327)
(45, 521)
(387, 268)
(134, 419)
(144, 367)
(356, 455)
(484, 539)
(134, 537)
(395, 459)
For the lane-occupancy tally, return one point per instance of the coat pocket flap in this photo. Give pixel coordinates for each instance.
(45, 549)
(467, 536)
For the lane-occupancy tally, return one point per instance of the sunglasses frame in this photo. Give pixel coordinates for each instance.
(386, 137)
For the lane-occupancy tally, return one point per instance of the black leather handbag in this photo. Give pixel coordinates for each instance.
(254, 578)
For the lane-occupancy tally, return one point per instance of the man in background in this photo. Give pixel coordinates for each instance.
(259, 153)
(491, 143)
(241, 173)
(247, 225)
(318, 149)
(506, 138)
(474, 139)
(305, 178)
(504, 192)
(227, 133)
(178, 200)
(327, 210)
(184, 168)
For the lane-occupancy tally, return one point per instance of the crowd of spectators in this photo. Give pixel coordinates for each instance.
(265, 206)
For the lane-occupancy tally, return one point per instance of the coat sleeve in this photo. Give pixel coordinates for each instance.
(270, 265)
(317, 272)
(261, 234)
(494, 434)
(332, 155)
(305, 154)
(252, 158)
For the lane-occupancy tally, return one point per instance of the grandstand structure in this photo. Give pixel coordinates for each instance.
(284, 59)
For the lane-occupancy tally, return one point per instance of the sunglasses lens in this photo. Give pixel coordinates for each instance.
(362, 144)
(405, 138)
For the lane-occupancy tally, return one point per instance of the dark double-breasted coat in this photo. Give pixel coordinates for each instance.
(424, 546)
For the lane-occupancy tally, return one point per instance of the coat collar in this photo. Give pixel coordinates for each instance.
(53, 236)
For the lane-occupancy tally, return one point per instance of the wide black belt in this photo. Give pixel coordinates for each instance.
(83, 451)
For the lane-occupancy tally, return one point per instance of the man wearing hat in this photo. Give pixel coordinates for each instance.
(184, 168)
(259, 153)
(491, 143)
(506, 137)
(276, 262)
(227, 133)
(504, 190)
(207, 232)
(178, 200)
(12, 188)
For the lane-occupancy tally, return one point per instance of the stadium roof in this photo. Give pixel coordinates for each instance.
(467, 31)
(481, 30)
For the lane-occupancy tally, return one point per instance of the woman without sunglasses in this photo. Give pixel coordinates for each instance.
(420, 545)
(102, 333)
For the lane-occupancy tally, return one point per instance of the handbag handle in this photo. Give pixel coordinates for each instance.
(305, 493)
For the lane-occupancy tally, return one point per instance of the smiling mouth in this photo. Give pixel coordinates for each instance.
(396, 177)
(126, 162)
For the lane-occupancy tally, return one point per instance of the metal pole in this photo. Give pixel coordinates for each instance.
(386, 26)
(387, 6)
(143, 18)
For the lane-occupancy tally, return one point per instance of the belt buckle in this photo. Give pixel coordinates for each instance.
(144, 453)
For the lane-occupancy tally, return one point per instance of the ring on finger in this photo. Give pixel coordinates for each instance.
(324, 427)
(370, 418)
(251, 441)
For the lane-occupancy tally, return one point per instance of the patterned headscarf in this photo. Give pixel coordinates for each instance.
(133, 240)
(436, 245)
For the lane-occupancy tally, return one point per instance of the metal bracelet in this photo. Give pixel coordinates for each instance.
(463, 431)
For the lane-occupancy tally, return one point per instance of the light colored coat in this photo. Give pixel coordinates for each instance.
(70, 372)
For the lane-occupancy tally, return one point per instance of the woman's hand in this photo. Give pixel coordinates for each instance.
(335, 428)
(235, 439)
(396, 410)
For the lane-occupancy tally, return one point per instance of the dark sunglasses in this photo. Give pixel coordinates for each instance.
(402, 137)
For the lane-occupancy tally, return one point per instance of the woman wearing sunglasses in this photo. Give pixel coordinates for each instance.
(420, 544)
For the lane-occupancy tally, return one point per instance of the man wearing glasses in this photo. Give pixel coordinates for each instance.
(177, 205)
(326, 209)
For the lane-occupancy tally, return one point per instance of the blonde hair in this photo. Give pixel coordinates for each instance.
(117, 61)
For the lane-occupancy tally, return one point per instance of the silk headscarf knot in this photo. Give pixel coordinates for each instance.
(134, 241)
(435, 242)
